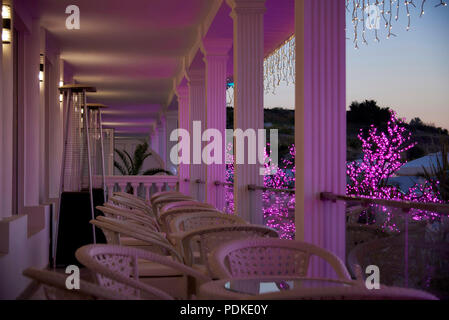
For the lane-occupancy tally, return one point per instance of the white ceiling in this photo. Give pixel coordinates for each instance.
(130, 50)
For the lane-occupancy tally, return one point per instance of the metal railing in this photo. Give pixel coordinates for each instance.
(404, 205)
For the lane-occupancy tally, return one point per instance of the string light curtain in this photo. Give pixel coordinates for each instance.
(377, 15)
(366, 16)
(280, 66)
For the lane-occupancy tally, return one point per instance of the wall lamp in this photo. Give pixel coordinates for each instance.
(6, 28)
(61, 97)
(41, 68)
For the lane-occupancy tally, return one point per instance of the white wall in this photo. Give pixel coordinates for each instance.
(25, 238)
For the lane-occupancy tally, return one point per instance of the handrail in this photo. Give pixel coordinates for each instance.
(252, 187)
(141, 179)
(220, 183)
(404, 205)
(199, 181)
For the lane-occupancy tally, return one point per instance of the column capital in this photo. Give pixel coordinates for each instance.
(216, 47)
(246, 7)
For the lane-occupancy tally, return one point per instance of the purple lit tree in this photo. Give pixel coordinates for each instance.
(278, 207)
(382, 152)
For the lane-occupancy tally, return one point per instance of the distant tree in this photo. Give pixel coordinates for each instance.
(416, 122)
(368, 112)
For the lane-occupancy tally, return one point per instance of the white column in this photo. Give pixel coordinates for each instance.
(31, 117)
(171, 118)
(216, 57)
(54, 131)
(162, 133)
(320, 124)
(197, 113)
(154, 138)
(182, 92)
(248, 97)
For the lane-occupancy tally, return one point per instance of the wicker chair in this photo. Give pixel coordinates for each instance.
(166, 217)
(127, 203)
(209, 238)
(131, 197)
(188, 203)
(117, 269)
(134, 227)
(151, 241)
(196, 220)
(161, 201)
(54, 285)
(267, 256)
(134, 216)
(163, 194)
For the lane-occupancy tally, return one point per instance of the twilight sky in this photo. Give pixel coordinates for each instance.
(409, 73)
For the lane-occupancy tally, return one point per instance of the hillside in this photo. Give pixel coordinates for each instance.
(359, 116)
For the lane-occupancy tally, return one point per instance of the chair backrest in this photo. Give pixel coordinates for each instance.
(111, 211)
(134, 227)
(158, 203)
(187, 203)
(54, 284)
(191, 221)
(130, 197)
(156, 243)
(166, 217)
(209, 238)
(117, 268)
(156, 195)
(268, 256)
(347, 293)
(131, 204)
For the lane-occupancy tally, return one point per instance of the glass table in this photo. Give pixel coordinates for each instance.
(299, 288)
(262, 286)
(242, 288)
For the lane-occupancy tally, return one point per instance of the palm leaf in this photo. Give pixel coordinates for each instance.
(127, 166)
(120, 168)
(140, 154)
(131, 163)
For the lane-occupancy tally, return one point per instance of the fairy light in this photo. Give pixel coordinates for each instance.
(388, 11)
(280, 66)
(381, 160)
(366, 178)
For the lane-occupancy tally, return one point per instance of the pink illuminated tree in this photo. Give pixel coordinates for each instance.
(278, 207)
(382, 158)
